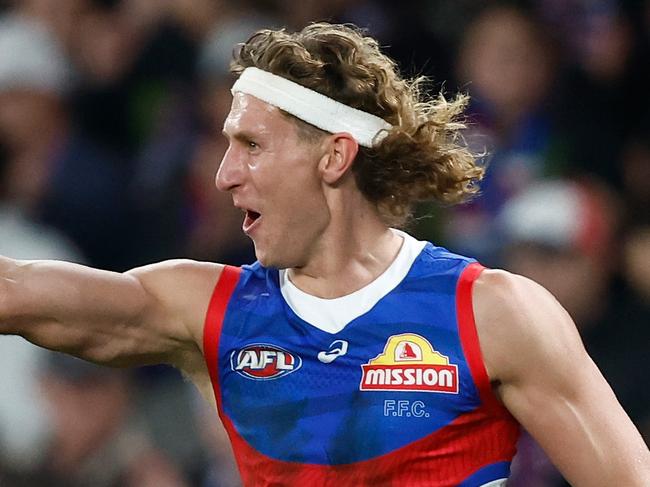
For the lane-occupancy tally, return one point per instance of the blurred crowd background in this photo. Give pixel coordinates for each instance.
(110, 137)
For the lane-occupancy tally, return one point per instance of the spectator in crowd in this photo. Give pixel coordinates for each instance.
(507, 63)
(635, 176)
(600, 89)
(107, 448)
(52, 171)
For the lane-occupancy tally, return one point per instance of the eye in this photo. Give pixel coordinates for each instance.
(252, 145)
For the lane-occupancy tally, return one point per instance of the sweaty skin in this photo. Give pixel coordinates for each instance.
(314, 221)
(543, 375)
(313, 218)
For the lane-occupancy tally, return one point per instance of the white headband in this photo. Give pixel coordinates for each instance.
(312, 107)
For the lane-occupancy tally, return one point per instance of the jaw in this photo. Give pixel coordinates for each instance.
(277, 254)
(292, 244)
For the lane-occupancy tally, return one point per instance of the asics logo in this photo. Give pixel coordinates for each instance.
(337, 348)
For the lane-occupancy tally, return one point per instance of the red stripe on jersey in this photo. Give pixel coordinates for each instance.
(213, 322)
(469, 336)
(443, 458)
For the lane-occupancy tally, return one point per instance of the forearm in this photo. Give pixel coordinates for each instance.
(587, 436)
(67, 307)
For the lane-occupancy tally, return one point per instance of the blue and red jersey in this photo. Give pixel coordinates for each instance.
(384, 387)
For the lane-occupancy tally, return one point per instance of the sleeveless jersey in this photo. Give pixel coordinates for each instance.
(397, 395)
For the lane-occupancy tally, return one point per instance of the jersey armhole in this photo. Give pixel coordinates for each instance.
(214, 320)
(469, 335)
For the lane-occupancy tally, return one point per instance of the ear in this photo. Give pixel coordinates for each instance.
(342, 150)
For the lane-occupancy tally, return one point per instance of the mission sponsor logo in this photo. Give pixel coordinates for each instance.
(262, 361)
(409, 363)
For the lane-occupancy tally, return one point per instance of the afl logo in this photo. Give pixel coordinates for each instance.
(262, 361)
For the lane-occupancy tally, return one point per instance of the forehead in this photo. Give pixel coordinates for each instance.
(250, 114)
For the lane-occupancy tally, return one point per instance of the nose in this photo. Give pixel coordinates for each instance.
(231, 171)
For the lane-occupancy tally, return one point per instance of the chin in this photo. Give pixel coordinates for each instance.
(264, 257)
(268, 259)
(264, 260)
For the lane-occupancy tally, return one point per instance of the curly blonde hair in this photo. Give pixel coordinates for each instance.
(422, 158)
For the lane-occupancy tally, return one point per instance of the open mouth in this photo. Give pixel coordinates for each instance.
(250, 219)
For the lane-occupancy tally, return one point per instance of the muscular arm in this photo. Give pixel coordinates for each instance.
(545, 378)
(152, 314)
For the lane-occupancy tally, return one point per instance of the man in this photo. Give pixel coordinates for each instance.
(358, 362)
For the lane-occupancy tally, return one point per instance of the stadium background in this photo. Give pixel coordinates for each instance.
(110, 121)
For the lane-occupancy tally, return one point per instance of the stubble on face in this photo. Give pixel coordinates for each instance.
(279, 179)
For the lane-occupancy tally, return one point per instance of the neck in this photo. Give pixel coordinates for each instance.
(354, 250)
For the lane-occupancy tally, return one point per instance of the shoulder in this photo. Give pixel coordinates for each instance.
(179, 276)
(518, 321)
(180, 288)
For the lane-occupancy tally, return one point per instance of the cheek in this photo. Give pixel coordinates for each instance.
(290, 184)
(299, 207)
(306, 197)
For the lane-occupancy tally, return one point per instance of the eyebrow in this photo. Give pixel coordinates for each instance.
(242, 136)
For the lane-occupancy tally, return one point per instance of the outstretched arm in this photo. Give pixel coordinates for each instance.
(544, 376)
(152, 314)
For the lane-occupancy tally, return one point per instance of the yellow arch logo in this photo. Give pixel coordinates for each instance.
(409, 348)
